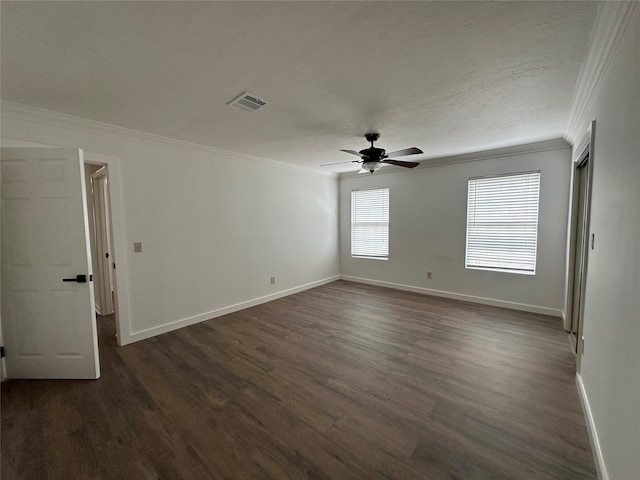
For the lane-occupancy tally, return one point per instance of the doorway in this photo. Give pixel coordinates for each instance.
(100, 236)
(580, 243)
(117, 257)
(581, 248)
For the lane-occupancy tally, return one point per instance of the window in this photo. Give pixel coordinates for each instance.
(370, 223)
(502, 222)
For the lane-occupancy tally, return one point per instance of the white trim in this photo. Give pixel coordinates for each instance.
(15, 143)
(184, 322)
(50, 118)
(554, 312)
(598, 458)
(511, 151)
(610, 23)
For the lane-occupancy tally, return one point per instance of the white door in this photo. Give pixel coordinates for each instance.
(48, 319)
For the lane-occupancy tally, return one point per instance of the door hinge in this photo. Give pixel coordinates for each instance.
(1, 352)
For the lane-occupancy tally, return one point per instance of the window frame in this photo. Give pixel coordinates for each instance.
(525, 230)
(370, 254)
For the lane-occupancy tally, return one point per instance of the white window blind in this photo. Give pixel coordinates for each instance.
(502, 222)
(370, 223)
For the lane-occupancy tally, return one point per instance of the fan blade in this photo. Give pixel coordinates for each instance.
(406, 151)
(339, 163)
(352, 152)
(400, 163)
(363, 170)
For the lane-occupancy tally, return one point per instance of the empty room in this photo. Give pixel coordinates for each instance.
(320, 239)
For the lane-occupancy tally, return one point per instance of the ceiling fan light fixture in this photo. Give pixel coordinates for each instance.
(371, 166)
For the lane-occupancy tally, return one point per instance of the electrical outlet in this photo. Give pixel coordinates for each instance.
(429, 277)
(273, 280)
(137, 247)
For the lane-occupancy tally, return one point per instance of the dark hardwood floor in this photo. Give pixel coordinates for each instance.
(345, 381)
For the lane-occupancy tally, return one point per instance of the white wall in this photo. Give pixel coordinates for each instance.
(215, 226)
(428, 227)
(610, 366)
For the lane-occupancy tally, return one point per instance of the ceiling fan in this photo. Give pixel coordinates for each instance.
(373, 158)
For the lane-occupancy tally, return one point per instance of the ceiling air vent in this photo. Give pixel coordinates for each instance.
(248, 102)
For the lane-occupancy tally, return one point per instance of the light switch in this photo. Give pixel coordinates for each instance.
(137, 247)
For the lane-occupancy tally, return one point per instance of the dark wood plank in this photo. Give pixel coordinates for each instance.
(344, 381)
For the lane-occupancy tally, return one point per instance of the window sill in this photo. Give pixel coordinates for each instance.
(369, 258)
(502, 270)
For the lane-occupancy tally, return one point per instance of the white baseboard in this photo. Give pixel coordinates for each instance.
(554, 312)
(591, 428)
(184, 322)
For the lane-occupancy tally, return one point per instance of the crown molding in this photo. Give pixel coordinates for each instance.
(611, 21)
(511, 151)
(27, 113)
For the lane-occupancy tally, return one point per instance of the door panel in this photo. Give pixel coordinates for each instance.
(49, 325)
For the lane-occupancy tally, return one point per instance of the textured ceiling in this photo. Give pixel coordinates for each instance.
(448, 77)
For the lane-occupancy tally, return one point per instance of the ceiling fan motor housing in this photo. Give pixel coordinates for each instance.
(373, 154)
